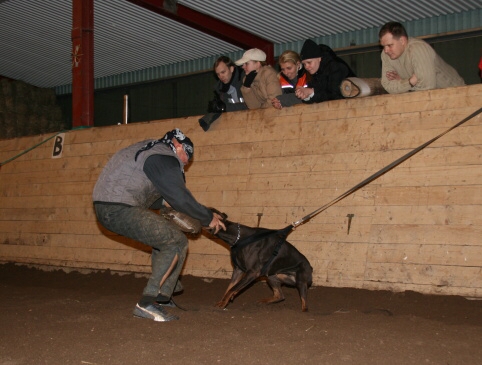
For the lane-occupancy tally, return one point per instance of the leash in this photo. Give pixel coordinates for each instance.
(39, 144)
(380, 172)
(283, 233)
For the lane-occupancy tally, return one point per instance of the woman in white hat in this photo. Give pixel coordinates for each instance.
(261, 83)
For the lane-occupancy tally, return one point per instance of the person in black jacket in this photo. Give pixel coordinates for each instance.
(230, 79)
(327, 70)
(227, 91)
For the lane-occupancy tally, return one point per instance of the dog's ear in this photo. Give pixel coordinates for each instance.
(224, 215)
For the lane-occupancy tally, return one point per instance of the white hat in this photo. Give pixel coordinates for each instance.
(253, 54)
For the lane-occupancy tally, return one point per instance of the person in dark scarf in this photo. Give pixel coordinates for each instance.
(169, 139)
(227, 91)
(136, 180)
(327, 71)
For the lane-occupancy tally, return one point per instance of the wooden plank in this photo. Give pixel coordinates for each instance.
(324, 166)
(425, 274)
(429, 195)
(472, 293)
(423, 215)
(53, 176)
(46, 201)
(418, 254)
(429, 176)
(427, 234)
(209, 263)
(429, 215)
(81, 266)
(50, 227)
(58, 189)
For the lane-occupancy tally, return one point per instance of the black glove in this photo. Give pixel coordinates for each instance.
(206, 121)
(216, 105)
(248, 80)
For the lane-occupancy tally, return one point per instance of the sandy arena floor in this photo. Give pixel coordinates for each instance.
(58, 318)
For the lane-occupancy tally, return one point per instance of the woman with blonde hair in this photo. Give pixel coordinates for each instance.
(291, 77)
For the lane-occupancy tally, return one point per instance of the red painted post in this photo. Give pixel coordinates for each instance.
(82, 63)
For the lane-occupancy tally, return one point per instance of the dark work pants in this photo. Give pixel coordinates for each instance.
(152, 229)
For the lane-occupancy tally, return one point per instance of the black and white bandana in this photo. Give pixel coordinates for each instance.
(187, 145)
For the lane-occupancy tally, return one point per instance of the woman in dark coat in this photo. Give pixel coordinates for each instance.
(327, 73)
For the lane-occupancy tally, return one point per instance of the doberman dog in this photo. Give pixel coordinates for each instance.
(262, 252)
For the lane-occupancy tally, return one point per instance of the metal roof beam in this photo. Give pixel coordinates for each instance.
(209, 25)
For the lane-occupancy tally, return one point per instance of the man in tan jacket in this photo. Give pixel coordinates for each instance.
(411, 64)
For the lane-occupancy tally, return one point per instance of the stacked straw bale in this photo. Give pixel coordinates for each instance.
(27, 110)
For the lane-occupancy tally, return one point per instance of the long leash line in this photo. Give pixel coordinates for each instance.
(39, 144)
(380, 172)
(283, 233)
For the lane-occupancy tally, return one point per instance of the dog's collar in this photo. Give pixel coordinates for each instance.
(239, 235)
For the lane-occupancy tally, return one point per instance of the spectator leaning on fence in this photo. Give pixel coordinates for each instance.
(227, 91)
(260, 84)
(292, 76)
(411, 64)
(327, 73)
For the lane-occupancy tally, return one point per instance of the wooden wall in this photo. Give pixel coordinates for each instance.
(418, 227)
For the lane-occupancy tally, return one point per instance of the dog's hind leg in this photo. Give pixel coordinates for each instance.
(303, 280)
(303, 290)
(275, 284)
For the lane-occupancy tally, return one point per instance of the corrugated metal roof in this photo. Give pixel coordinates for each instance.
(136, 44)
(286, 20)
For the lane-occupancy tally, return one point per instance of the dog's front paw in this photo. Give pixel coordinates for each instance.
(221, 304)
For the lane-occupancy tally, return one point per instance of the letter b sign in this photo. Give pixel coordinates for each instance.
(58, 145)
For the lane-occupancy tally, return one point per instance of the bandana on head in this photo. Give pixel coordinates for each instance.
(186, 143)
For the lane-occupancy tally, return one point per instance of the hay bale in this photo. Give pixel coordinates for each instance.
(10, 125)
(34, 124)
(21, 90)
(22, 108)
(9, 103)
(6, 87)
(3, 107)
(45, 96)
(28, 110)
(56, 113)
(2, 122)
(23, 128)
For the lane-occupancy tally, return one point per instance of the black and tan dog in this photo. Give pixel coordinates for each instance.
(262, 252)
